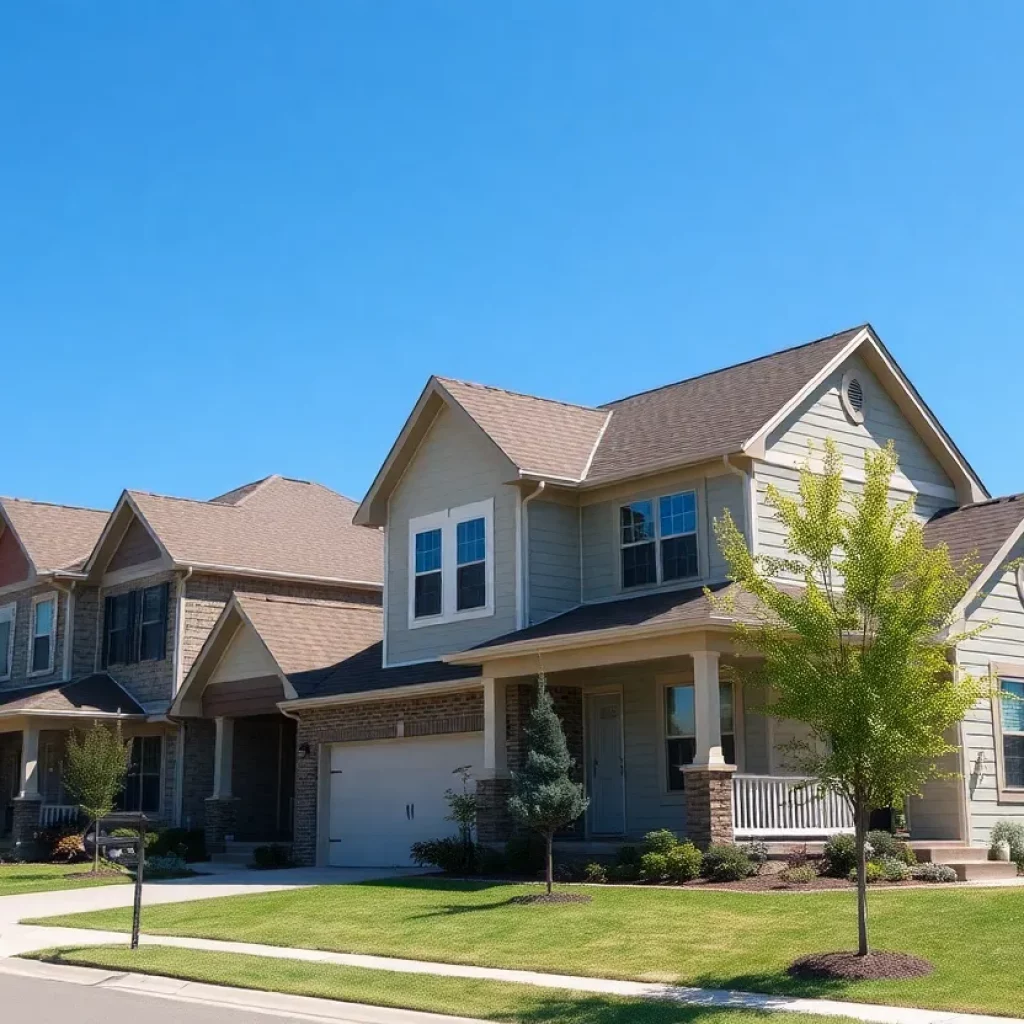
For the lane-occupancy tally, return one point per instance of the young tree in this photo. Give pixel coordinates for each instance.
(95, 766)
(860, 652)
(544, 795)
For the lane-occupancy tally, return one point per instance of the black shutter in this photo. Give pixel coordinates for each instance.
(164, 592)
(134, 627)
(108, 605)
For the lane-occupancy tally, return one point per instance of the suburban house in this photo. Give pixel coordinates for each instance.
(524, 535)
(142, 587)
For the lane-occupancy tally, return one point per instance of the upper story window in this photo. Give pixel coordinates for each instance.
(44, 629)
(659, 548)
(451, 555)
(1012, 714)
(135, 626)
(7, 614)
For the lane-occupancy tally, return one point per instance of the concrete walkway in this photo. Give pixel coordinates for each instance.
(16, 939)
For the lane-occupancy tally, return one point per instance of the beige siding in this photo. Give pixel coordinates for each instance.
(554, 560)
(455, 465)
(245, 658)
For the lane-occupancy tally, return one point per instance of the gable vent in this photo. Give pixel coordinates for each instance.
(856, 395)
(852, 394)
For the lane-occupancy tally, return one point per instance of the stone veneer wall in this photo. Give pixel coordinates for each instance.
(709, 805)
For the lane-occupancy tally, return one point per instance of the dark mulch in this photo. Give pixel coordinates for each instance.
(555, 897)
(850, 967)
(775, 883)
(95, 874)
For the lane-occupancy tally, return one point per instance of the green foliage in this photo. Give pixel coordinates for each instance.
(802, 875)
(893, 869)
(449, 854)
(524, 854)
(797, 856)
(595, 873)
(724, 862)
(683, 863)
(68, 849)
(839, 856)
(660, 841)
(872, 872)
(934, 873)
(624, 872)
(167, 865)
(152, 838)
(653, 867)
(628, 855)
(489, 862)
(860, 652)
(268, 858)
(187, 843)
(758, 854)
(545, 797)
(1011, 833)
(883, 844)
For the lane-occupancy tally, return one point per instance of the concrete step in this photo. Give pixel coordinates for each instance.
(989, 870)
(951, 854)
(242, 852)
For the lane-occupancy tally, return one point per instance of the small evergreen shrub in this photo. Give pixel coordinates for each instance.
(683, 864)
(152, 838)
(758, 853)
(802, 875)
(595, 873)
(525, 853)
(623, 872)
(724, 862)
(628, 855)
(883, 844)
(653, 867)
(1011, 833)
(448, 854)
(839, 856)
(662, 841)
(934, 873)
(893, 869)
(267, 858)
(166, 865)
(570, 871)
(187, 843)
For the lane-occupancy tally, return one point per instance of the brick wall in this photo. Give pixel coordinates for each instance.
(85, 646)
(197, 779)
(22, 629)
(461, 711)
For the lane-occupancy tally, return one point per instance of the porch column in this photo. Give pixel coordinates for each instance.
(29, 799)
(493, 822)
(28, 781)
(708, 781)
(221, 807)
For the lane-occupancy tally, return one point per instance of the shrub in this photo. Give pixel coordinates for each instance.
(266, 858)
(883, 844)
(152, 838)
(525, 853)
(596, 873)
(893, 869)
(570, 871)
(489, 861)
(628, 855)
(68, 849)
(797, 856)
(653, 867)
(934, 873)
(726, 863)
(839, 856)
(623, 872)
(448, 854)
(802, 875)
(758, 854)
(1011, 833)
(166, 865)
(662, 841)
(683, 864)
(187, 843)
(873, 871)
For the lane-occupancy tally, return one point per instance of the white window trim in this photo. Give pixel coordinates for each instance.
(1012, 674)
(36, 601)
(655, 504)
(12, 608)
(447, 521)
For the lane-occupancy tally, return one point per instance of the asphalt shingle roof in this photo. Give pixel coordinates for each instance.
(980, 529)
(94, 693)
(55, 536)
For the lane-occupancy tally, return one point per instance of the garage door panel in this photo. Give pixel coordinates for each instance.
(388, 794)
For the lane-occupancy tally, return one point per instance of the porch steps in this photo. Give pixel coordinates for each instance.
(970, 863)
(242, 852)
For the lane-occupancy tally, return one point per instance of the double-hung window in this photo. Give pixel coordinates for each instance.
(658, 540)
(681, 730)
(43, 639)
(451, 564)
(135, 626)
(142, 783)
(7, 614)
(1011, 693)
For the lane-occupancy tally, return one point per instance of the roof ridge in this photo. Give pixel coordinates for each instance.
(1019, 496)
(254, 484)
(56, 504)
(306, 601)
(518, 394)
(734, 366)
(175, 497)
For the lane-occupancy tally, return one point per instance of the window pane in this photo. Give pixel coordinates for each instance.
(637, 522)
(1013, 760)
(44, 618)
(149, 641)
(151, 755)
(729, 748)
(470, 542)
(680, 753)
(150, 795)
(679, 719)
(5, 646)
(725, 701)
(428, 595)
(678, 513)
(1013, 705)
(471, 586)
(151, 601)
(638, 568)
(120, 611)
(679, 557)
(40, 653)
(428, 551)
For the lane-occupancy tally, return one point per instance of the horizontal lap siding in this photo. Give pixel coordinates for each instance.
(554, 562)
(455, 465)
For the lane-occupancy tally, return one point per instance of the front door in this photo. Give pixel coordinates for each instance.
(607, 775)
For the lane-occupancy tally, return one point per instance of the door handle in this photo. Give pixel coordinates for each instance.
(406, 812)
(413, 806)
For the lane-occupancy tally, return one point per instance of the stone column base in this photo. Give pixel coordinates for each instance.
(26, 827)
(221, 816)
(708, 790)
(493, 822)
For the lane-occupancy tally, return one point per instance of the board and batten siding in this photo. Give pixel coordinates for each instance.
(454, 466)
(600, 526)
(553, 536)
(1000, 604)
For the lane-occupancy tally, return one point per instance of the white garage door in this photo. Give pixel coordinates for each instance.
(388, 794)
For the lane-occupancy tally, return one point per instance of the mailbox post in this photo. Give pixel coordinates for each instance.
(106, 843)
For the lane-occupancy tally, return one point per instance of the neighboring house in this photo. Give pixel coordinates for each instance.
(145, 588)
(525, 535)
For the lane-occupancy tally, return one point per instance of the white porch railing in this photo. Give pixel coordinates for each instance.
(51, 815)
(765, 806)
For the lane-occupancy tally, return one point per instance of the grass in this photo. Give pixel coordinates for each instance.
(740, 941)
(16, 879)
(488, 1000)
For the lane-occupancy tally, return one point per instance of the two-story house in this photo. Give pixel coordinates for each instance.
(524, 535)
(144, 586)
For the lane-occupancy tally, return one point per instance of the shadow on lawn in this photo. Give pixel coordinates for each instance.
(437, 883)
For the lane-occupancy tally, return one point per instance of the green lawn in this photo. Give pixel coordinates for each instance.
(489, 1000)
(722, 940)
(16, 879)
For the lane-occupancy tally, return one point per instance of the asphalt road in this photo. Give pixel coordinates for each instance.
(56, 1002)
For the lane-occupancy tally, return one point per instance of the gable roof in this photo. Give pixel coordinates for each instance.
(278, 527)
(982, 528)
(53, 537)
(91, 695)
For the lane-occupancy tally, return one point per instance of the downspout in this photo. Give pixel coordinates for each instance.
(69, 626)
(179, 760)
(750, 502)
(525, 597)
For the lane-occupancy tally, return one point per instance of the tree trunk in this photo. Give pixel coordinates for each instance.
(860, 817)
(96, 846)
(549, 867)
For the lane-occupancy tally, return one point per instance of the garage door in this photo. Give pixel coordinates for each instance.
(388, 794)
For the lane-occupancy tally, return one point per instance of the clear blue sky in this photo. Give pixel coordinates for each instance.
(237, 237)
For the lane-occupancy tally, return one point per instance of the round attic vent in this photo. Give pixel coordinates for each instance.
(852, 394)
